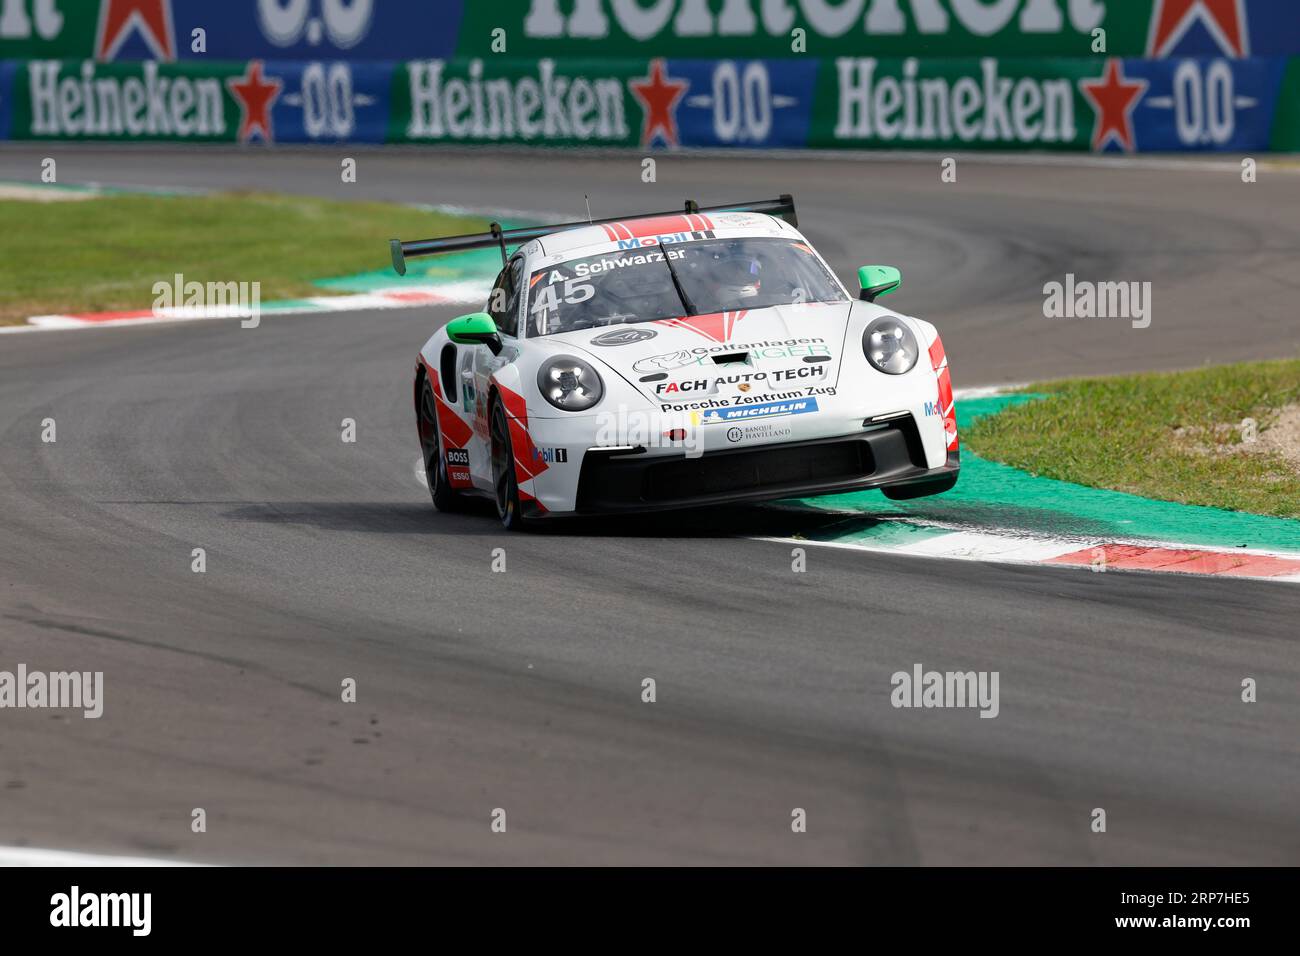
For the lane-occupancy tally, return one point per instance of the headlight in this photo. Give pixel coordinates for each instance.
(570, 384)
(890, 345)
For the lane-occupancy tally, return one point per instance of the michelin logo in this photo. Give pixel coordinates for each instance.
(716, 416)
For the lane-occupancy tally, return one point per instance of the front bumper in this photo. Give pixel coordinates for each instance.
(623, 483)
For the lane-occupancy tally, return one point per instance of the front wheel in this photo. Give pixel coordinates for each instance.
(505, 483)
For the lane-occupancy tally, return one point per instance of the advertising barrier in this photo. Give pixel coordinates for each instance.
(711, 29)
(230, 29)
(626, 29)
(1080, 75)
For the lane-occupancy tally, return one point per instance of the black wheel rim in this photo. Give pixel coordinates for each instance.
(503, 472)
(429, 438)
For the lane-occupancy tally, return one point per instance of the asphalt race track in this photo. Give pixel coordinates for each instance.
(522, 691)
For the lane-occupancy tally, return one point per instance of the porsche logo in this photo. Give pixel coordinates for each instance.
(624, 336)
(745, 386)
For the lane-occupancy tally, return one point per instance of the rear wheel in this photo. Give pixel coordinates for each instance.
(505, 484)
(445, 498)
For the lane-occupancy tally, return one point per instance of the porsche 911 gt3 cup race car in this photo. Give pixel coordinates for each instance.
(676, 360)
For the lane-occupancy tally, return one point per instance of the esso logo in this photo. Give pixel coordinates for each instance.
(345, 22)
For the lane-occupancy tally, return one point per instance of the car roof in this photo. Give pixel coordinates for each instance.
(649, 231)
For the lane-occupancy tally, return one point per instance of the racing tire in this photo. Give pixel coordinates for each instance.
(445, 497)
(505, 483)
(920, 489)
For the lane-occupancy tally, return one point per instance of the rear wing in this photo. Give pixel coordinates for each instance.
(782, 206)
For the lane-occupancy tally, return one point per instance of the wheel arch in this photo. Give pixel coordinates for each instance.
(420, 376)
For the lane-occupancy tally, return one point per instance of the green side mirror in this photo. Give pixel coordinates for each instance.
(877, 281)
(477, 328)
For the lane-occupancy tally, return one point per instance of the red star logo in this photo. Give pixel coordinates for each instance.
(1113, 100)
(1225, 19)
(255, 98)
(658, 97)
(117, 19)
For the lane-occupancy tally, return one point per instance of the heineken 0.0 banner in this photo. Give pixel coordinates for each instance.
(632, 29)
(229, 29)
(1099, 75)
(888, 28)
(218, 101)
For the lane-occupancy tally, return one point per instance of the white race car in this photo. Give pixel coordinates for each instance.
(677, 360)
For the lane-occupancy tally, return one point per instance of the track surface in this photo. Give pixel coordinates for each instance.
(521, 690)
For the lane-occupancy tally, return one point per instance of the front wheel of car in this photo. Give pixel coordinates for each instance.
(505, 483)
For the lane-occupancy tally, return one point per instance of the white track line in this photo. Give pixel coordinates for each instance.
(986, 391)
(33, 856)
(1009, 547)
(396, 297)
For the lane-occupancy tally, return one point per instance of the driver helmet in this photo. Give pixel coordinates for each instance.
(737, 276)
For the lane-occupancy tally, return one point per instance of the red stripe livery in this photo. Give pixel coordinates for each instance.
(657, 226)
(939, 361)
(717, 327)
(454, 433)
(528, 462)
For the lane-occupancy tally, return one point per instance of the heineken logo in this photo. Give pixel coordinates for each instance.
(1113, 98)
(88, 104)
(151, 19)
(1225, 20)
(93, 100)
(592, 19)
(967, 109)
(255, 96)
(658, 97)
(1170, 21)
(549, 105)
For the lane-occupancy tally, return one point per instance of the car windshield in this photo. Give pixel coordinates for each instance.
(668, 281)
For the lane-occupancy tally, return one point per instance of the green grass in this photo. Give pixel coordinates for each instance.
(1155, 435)
(105, 254)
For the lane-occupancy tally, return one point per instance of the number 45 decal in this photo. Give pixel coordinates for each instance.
(548, 299)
